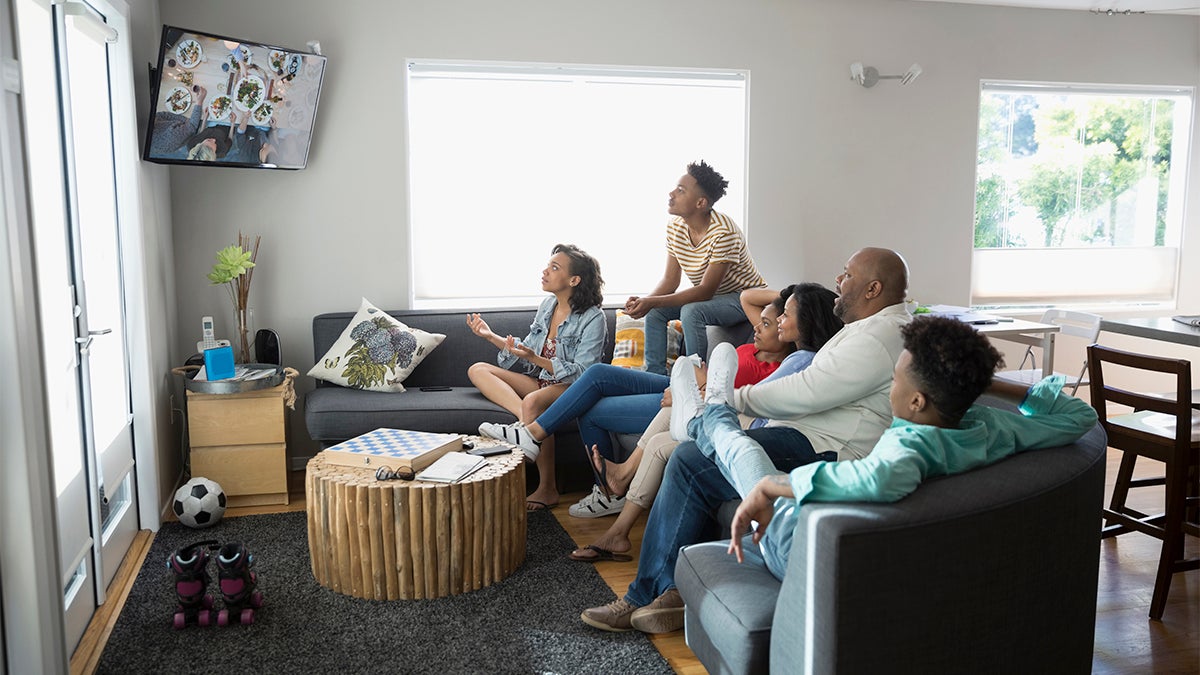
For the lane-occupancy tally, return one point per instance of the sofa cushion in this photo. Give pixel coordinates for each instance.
(375, 352)
(334, 414)
(736, 607)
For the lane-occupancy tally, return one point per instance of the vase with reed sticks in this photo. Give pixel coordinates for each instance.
(235, 270)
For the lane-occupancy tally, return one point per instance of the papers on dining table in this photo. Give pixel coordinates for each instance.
(963, 314)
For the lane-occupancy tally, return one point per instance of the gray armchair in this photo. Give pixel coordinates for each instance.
(993, 570)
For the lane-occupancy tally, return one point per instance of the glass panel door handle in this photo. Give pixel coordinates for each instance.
(86, 342)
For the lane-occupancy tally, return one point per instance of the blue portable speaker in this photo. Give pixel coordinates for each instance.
(218, 363)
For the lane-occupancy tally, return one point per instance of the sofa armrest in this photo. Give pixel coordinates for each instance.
(994, 569)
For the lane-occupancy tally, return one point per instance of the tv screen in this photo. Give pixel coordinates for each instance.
(220, 101)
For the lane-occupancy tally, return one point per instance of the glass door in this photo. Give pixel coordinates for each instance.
(99, 296)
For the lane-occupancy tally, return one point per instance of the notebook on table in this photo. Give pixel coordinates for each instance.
(452, 467)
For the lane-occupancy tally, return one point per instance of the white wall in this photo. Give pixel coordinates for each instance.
(833, 166)
(157, 429)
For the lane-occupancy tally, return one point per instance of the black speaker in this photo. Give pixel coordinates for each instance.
(266, 347)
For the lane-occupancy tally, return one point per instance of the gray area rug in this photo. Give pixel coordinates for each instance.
(528, 623)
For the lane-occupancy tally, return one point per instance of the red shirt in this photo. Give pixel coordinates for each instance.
(751, 370)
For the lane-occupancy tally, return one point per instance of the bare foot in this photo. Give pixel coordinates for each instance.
(616, 476)
(620, 475)
(541, 499)
(613, 542)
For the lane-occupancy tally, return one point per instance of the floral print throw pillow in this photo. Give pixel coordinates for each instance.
(376, 352)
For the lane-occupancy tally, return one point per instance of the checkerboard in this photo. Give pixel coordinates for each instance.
(393, 448)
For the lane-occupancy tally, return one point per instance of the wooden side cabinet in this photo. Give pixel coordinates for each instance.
(239, 441)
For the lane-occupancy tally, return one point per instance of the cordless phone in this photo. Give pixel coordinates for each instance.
(209, 340)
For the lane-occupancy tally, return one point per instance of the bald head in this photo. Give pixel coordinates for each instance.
(873, 278)
(890, 269)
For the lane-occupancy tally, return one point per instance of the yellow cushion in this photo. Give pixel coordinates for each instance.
(630, 348)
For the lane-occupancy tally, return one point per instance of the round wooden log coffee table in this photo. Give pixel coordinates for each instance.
(407, 540)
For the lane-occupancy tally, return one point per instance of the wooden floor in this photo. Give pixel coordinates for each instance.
(1127, 641)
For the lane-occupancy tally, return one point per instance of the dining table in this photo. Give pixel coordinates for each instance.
(1163, 328)
(1032, 333)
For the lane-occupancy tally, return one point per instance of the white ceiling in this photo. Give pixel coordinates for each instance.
(1148, 6)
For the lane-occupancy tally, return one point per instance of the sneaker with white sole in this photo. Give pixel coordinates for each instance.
(513, 434)
(596, 504)
(686, 400)
(722, 370)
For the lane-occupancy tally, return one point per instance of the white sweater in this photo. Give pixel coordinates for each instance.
(840, 402)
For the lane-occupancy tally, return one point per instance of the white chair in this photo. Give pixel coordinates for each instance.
(1075, 324)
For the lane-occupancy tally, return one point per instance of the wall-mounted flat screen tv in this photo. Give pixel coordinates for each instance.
(220, 101)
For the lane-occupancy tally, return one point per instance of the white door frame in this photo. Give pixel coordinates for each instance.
(34, 636)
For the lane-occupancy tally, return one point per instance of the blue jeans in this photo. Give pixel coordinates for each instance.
(741, 459)
(607, 398)
(685, 509)
(721, 310)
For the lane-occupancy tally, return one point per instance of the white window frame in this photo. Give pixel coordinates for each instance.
(610, 240)
(1097, 277)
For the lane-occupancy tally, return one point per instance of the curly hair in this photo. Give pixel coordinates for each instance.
(814, 305)
(711, 183)
(589, 292)
(951, 363)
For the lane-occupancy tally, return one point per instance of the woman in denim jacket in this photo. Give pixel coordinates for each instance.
(567, 336)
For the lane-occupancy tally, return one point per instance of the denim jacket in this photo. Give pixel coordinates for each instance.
(580, 342)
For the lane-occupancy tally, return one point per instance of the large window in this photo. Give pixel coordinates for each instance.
(507, 160)
(1079, 194)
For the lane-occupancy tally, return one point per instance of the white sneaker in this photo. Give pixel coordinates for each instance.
(686, 401)
(513, 434)
(596, 504)
(722, 369)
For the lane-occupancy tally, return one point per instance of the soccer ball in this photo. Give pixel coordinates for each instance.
(199, 503)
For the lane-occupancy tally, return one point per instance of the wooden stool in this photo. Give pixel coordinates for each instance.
(406, 540)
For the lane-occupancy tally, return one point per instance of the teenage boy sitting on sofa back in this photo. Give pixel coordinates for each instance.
(937, 431)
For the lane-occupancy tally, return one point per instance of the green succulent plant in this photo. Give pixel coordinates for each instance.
(232, 262)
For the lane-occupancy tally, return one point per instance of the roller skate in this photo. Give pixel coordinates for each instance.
(237, 585)
(189, 565)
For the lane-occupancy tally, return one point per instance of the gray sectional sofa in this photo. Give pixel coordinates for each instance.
(994, 570)
(334, 414)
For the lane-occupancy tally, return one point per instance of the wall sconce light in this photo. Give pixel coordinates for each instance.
(867, 76)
